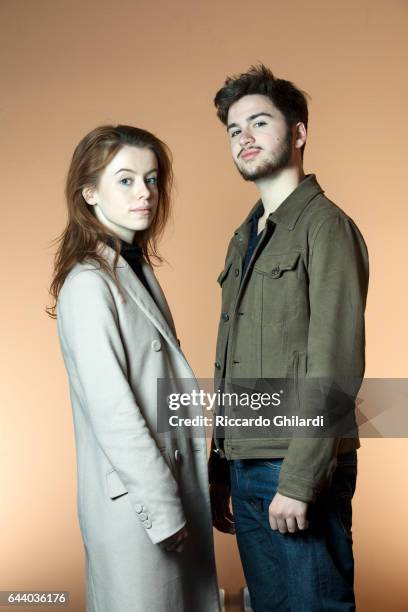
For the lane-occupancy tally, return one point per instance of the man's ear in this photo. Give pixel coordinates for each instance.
(89, 195)
(300, 135)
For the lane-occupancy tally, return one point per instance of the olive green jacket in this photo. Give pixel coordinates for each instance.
(298, 312)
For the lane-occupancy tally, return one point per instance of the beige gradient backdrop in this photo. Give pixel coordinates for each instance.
(67, 66)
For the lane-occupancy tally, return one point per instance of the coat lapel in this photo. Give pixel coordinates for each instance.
(159, 297)
(157, 309)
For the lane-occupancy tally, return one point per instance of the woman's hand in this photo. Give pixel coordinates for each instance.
(175, 543)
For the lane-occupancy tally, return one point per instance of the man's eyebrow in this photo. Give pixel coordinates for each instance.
(133, 172)
(250, 118)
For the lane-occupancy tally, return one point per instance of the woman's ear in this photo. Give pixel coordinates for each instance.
(89, 195)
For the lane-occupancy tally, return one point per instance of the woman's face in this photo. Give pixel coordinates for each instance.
(126, 197)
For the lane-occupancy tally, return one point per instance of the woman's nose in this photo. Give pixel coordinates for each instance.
(143, 191)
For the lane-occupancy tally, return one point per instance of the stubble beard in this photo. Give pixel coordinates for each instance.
(277, 161)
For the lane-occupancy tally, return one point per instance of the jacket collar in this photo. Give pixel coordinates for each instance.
(291, 208)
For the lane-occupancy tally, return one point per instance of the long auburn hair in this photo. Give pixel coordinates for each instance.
(79, 240)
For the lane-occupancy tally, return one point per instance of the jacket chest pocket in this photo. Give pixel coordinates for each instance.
(279, 277)
(229, 283)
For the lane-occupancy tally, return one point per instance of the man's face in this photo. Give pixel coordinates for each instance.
(260, 140)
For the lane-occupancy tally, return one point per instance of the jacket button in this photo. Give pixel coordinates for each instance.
(138, 508)
(156, 345)
(143, 516)
(147, 524)
(177, 455)
(236, 272)
(275, 271)
(225, 316)
(217, 365)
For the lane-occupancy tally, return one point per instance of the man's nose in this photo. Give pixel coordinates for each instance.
(246, 137)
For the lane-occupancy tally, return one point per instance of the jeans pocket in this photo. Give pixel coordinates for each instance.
(257, 504)
(273, 464)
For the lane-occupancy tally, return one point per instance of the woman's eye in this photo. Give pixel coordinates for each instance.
(260, 123)
(123, 181)
(152, 180)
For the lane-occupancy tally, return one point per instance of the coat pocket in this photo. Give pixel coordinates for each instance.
(114, 485)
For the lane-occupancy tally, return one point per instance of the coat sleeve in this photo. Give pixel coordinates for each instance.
(338, 283)
(95, 358)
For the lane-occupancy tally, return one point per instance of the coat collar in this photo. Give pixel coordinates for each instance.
(157, 309)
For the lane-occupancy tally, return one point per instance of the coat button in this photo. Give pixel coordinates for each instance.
(142, 516)
(275, 271)
(217, 365)
(138, 508)
(236, 272)
(147, 524)
(177, 455)
(225, 316)
(156, 345)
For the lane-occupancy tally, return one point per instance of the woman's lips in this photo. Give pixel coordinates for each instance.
(141, 211)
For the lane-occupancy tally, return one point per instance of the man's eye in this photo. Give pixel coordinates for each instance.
(152, 180)
(234, 133)
(260, 123)
(123, 181)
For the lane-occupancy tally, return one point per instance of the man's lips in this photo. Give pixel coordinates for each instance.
(249, 154)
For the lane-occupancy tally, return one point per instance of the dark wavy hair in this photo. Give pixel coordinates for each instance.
(79, 240)
(290, 100)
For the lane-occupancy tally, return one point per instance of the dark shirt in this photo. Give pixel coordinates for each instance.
(254, 237)
(133, 254)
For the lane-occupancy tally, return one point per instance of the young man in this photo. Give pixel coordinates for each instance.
(294, 289)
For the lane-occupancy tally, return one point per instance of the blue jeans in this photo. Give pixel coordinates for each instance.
(306, 571)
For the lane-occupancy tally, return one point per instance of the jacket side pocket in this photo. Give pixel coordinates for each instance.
(114, 485)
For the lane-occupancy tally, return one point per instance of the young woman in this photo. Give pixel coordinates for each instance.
(143, 501)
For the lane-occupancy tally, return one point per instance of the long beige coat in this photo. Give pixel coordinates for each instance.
(135, 487)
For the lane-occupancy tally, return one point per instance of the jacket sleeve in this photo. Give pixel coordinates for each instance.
(96, 362)
(338, 283)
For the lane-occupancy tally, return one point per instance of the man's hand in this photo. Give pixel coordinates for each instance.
(287, 514)
(175, 543)
(220, 507)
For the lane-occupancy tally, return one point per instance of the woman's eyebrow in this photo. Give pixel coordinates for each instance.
(125, 170)
(130, 170)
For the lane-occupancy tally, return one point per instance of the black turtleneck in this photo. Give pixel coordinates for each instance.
(133, 254)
